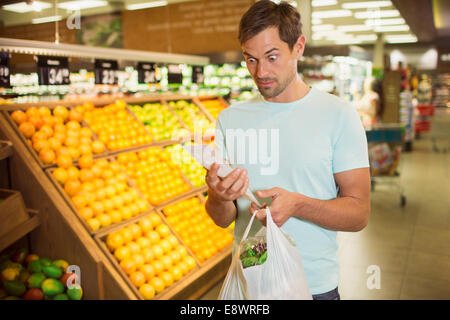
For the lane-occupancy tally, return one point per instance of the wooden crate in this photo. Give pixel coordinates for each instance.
(12, 210)
(101, 238)
(20, 230)
(6, 149)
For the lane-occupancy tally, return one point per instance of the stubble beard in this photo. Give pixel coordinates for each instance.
(275, 90)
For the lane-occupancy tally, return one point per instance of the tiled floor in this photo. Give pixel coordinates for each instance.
(410, 245)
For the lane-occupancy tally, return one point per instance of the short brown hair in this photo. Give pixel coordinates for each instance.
(264, 14)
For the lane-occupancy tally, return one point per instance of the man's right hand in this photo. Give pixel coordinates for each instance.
(230, 188)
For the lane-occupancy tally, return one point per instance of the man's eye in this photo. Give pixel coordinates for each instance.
(251, 60)
(272, 58)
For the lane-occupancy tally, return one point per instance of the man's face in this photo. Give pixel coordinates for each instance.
(270, 62)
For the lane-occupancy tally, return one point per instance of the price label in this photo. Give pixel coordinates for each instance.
(147, 72)
(4, 70)
(53, 70)
(174, 75)
(106, 72)
(197, 74)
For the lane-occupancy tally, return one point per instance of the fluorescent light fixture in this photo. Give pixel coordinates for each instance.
(316, 21)
(366, 4)
(401, 27)
(323, 3)
(367, 37)
(401, 38)
(322, 27)
(145, 5)
(80, 5)
(376, 14)
(384, 22)
(46, 19)
(349, 41)
(23, 7)
(355, 27)
(331, 14)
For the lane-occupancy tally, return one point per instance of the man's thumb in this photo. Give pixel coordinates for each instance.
(268, 193)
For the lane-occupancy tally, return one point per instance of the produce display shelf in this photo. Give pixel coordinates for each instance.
(20, 230)
(6, 149)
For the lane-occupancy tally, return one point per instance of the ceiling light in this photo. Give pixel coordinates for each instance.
(355, 27)
(323, 27)
(145, 5)
(23, 7)
(323, 3)
(376, 14)
(80, 5)
(367, 37)
(331, 14)
(402, 27)
(349, 41)
(46, 19)
(366, 4)
(316, 21)
(401, 38)
(383, 22)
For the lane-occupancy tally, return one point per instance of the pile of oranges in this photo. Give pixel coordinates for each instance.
(100, 192)
(197, 230)
(116, 127)
(153, 172)
(214, 107)
(58, 136)
(150, 255)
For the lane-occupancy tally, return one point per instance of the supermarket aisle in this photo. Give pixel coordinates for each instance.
(410, 245)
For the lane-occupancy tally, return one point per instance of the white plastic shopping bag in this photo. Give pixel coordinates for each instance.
(277, 274)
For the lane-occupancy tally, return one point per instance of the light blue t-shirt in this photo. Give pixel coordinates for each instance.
(296, 146)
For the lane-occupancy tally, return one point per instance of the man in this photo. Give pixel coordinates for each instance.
(316, 141)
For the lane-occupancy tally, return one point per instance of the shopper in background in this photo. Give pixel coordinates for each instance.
(315, 139)
(368, 104)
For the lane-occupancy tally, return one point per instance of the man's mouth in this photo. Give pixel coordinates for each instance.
(265, 83)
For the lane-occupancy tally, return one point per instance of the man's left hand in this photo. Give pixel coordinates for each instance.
(284, 205)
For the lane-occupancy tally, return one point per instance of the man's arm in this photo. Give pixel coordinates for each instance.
(349, 212)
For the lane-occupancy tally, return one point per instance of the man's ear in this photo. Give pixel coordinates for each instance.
(299, 46)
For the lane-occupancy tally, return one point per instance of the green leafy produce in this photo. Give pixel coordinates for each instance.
(254, 252)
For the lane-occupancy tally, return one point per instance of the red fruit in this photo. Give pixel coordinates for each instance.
(33, 294)
(66, 277)
(31, 257)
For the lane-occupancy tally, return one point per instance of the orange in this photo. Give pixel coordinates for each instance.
(190, 262)
(155, 218)
(118, 202)
(33, 111)
(36, 121)
(47, 130)
(98, 147)
(128, 265)
(158, 251)
(19, 116)
(39, 136)
(73, 125)
(126, 234)
(172, 240)
(93, 223)
(74, 153)
(115, 215)
(182, 251)
(114, 241)
(71, 142)
(85, 148)
(147, 291)
(79, 201)
(98, 183)
(183, 267)
(163, 230)
(148, 271)
(145, 224)
(148, 254)
(86, 161)
(102, 163)
(72, 187)
(64, 161)
(86, 132)
(167, 278)
(86, 213)
(158, 284)
(135, 230)
(134, 209)
(101, 193)
(107, 174)
(153, 236)
(122, 252)
(143, 242)
(166, 261)
(125, 212)
(109, 206)
(98, 208)
(97, 170)
(139, 260)
(47, 156)
(158, 266)
(165, 245)
(105, 220)
(134, 247)
(175, 256)
(142, 205)
(73, 173)
(61, 175)
(138, 278)
(61, 111)
(176, 273)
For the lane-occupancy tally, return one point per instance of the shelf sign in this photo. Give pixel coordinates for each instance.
(197, 74)
(53, 70)
(174, 75)
(106, 71)
(4, 70)
(147, 72)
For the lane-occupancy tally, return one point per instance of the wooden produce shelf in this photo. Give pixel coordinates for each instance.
(20, 230)
(6, 149)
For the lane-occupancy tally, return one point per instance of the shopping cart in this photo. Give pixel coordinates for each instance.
(385, 142)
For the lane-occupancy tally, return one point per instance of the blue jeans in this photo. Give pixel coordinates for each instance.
(330, 295)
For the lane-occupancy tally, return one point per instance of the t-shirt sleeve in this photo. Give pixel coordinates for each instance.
(350, 147)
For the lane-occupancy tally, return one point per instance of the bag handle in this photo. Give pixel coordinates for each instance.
(249, 226)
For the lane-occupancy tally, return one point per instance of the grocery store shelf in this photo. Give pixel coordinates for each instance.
(6, 149)
(81, 51)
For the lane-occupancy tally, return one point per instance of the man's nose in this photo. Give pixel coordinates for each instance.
(261, 70)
